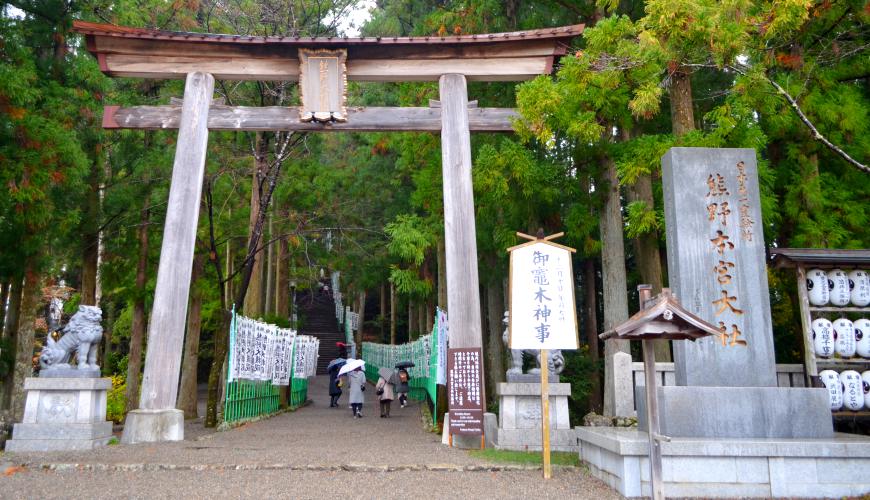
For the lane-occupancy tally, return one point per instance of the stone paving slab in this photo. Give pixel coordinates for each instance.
(313, 452)
(520, 485)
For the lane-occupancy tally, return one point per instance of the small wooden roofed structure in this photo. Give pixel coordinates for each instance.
(794, 257)
(147, 53)
(665, 318)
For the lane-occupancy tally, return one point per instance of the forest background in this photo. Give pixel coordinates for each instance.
(82, 208)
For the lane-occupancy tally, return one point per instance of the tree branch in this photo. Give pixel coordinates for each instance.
(806, 121)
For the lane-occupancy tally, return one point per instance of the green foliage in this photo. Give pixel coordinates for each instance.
(116, 400)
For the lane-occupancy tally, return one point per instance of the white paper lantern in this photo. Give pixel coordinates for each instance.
(860, 282)
(862, 337)
(817, 287)
(841, 293)
(823, 337)
(832, 383)
(853, 390)
(865, 381)
(844, 338)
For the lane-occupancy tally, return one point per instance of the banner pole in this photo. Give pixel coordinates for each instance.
(545, 413)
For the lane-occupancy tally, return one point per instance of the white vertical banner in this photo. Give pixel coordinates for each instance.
(443, 332)
(542, 310)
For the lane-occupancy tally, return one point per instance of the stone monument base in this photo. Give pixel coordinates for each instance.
(731, 468)
(519, 417)
(62, 414)
(151, 426)
(740, 412)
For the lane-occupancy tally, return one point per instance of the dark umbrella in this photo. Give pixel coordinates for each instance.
(335, 364)
(404, 364)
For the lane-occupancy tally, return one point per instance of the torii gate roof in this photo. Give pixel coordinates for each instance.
(146, 53)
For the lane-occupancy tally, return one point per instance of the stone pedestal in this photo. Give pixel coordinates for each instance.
(740, 412)
(151, 426)
(730, 468)
(63, 414)
(519, 417)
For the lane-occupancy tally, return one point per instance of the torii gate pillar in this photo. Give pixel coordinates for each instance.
(460, 235)
(157, 419)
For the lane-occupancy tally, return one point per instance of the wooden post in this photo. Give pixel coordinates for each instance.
(545, 412)
(652, 408)
(166, 329)
(463, 300)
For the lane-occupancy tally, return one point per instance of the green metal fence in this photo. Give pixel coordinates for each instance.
(423, 352)
(298, 392)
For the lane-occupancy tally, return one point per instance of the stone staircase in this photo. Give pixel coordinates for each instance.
(317, 312)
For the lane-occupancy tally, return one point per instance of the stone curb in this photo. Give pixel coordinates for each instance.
(349, 467)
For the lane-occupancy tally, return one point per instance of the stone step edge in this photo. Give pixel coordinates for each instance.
(349, 467)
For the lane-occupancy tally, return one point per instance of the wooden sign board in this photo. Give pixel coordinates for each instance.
(542, 311)
(465, 390)
(323, 85)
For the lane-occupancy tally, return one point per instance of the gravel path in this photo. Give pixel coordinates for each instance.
(312, 452)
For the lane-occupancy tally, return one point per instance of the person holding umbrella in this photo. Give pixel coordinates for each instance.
(356, 382)
(401, 379)
(384, 390)
(334, 389)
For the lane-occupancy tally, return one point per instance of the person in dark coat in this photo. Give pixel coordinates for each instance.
(334, 389)
(401, 386)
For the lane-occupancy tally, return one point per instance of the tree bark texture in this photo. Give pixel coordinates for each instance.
(282, 289)
(590, 309)
(383, 318)
(30, 302)
(4, 297)
(412, 320)
(682, 112)
(187, 393)
(646, 250)
(91, 240)
(269, 307)
(253, 306)
(614, 282)
(215, 374)
(10, 331)
(137, 329)
(495, 349)
(442, 273)
(392, 314)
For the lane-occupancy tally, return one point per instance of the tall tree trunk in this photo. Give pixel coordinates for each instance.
(221, 346)
(383, 318)
(30, 296)
(412, 320)
(682, 112)
(282, 289)
(137, 330)
(4, 297)
(270, 272)
(442, 273)
(614, 282)
(430, 315)
(421, 318)
(109, 311)
(392, 314)
(10, 331)
(253, 305)
(91, 239)
(646, 250)
(495, 350)
(590, 306)
(187, 394)
(361, 310)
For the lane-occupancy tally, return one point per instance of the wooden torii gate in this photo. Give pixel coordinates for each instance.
(202, 57)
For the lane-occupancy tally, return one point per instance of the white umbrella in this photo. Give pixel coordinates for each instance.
(351, 365)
